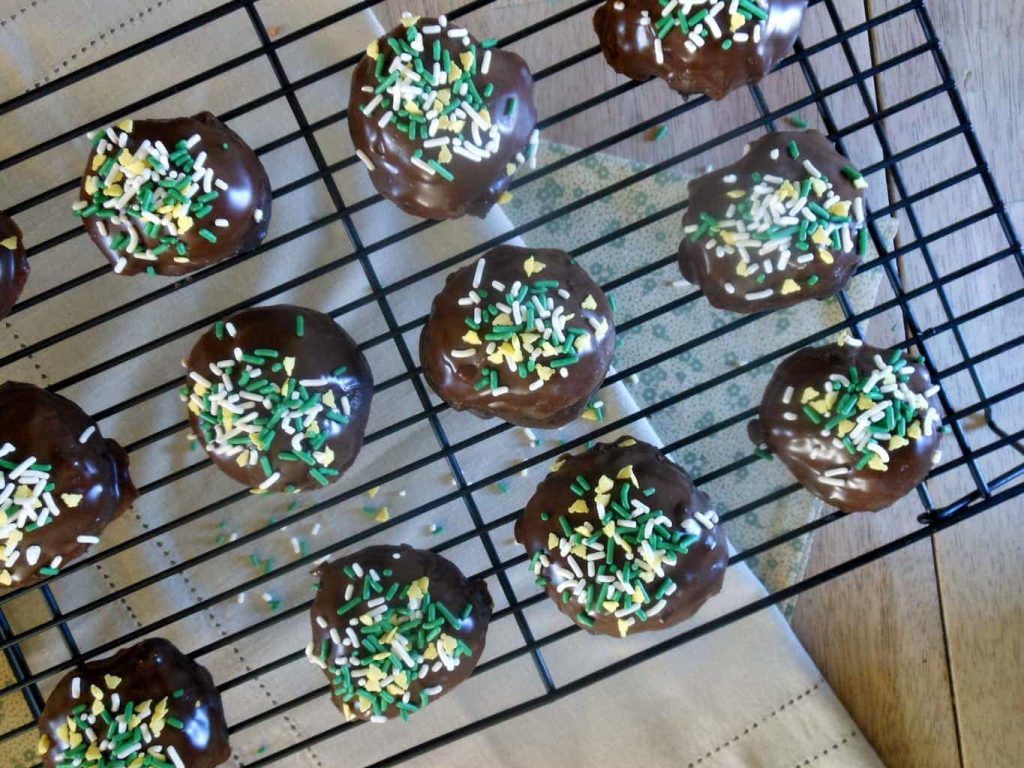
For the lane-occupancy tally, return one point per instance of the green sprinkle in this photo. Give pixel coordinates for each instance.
(660, 132)
(797, 121)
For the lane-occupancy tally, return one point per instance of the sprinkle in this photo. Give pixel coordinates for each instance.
(84, 437)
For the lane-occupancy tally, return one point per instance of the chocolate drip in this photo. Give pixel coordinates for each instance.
(456, 378)
(391, 155)
(714, 68)
(322, 352)
(153, 671)
(245, 203)
(566, 498)
(13, 264)
(88, 475)
(818, 460)
(816, 271)
(468, 601)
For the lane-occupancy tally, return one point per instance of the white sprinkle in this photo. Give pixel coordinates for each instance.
(787, 396)
(84, 437)
(789, 416)
(173, 754)
(32, 555)
(758, 295)
(88, 539)
(479, 274)
(270, 481)
(366, 160)
(461, 353)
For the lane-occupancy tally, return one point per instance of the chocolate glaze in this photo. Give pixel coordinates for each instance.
(13, 265)
(152, 670)
(447, 585)
(49, 427)
(808, 454)
(477, 185)
(629, 47)
(323, 349)
(232, 161)
(709, 195)
(560, 400)
(697, 574)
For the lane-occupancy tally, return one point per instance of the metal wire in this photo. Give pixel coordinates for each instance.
(987, 492)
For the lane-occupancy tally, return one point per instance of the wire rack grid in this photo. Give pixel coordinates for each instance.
(42, 627)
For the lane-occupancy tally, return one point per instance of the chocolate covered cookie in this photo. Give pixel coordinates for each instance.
(441, 120)
(622, 540)
(61, 483)
(698, 46)
(13, 264)
(782, 225)
(279, 398)
(858, 426)
(394, 628)
(522, 334)
(168, 197)
(147, 706)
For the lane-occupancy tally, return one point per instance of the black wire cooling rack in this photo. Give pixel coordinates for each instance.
(930, 317)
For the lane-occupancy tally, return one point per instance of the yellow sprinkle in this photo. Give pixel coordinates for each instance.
(602, 499)
(531, 266)
(96, 692)
(897, 442)
(825, 256)
(382, 516)
(589, 415)
(736, 194)
(62, 734)
(184, 224)
(510, 169)
(98, 161)
(819, 187)
(729, 238)
(844, 427)
(408, 21)
(820, 236)
(610, 606)
(126, 125)
(113, 190)
(373, 50)
(626, 473)
(604, 484)
(455, 74)
(579, 507)
(789, 286)
(580, 550)
(485, 115)
(582, 343)
(111, 681)
(444, 155)
(71, 500)
(787, 190)
(736, 22)
(473, 338)
(877, 464)
(914, 430)
(44, 744)
(242, 459)
(11, 242)
(741, 269)
(373, 491)
(810, 393)
(449, 644)
(842, 208)
(543, 372)
(609, 529)
(864, 402)
(820, 405)
(623, 627)
(626, 442)
(553, 541)
(5, 577)
(326, 457)
(97, 707)
(558, 464)
(506, 197)
(589, 303)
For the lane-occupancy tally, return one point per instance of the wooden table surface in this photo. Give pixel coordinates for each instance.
(924, 646)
